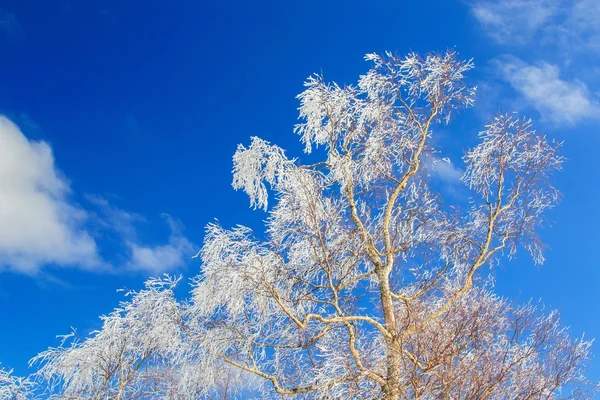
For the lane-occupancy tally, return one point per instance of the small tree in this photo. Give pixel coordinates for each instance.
(366, 284)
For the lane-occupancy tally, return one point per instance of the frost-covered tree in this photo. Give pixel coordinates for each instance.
(127, 357)
(365, 283)
(14, 387)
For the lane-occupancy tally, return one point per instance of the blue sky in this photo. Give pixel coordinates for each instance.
(121, 117)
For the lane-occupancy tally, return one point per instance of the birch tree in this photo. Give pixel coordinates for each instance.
(365, 283)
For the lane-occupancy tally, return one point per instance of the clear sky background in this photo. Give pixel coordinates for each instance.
(121, 117)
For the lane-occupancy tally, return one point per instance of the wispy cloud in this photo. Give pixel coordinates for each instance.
(514, 21)
(155, 258)
(571, 25)
(113, 218)
(40, 224)
(162, 257)
(581, 26)
(9, 26)
(446, 175)
(558, 42)
(443, 169)
(557, 100)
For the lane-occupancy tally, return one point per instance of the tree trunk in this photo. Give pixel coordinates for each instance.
(392, 386)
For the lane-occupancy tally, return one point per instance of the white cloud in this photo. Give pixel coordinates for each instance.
(558, 100)
(39, 224)
(585, 14)
(444, 169)
(152, 258)
(582, 28)
(569, 25)
(162, 258)
(115, 219)
(446, 175)
(564, 32)
(513, 21)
